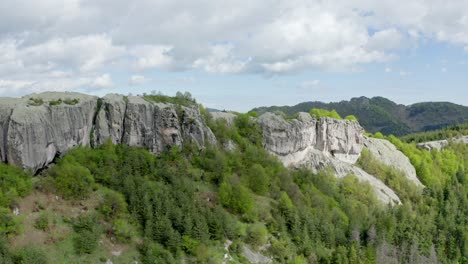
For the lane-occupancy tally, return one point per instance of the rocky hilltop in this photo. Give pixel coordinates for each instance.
(37, 128)
(320, 144)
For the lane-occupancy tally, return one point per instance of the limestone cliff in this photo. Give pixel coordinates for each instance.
(320, 144)
(37, 128)
(388, 154)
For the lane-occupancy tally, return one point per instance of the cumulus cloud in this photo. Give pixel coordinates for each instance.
(309, 84)
(47, 41)
(137, 80)
(103, 81)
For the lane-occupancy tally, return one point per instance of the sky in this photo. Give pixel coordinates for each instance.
(238, 54)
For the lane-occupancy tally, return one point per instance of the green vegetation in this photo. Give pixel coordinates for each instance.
(183, 204)
(184, 99)
(55, 102)
(379, 114)
(319, 113)
(35, 101)
(446, 133)
(351, 117)
(70, 101)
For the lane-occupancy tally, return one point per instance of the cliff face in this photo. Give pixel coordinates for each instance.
(37, 128)
(320, 144)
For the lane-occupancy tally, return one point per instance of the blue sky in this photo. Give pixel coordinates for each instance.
(238, 54)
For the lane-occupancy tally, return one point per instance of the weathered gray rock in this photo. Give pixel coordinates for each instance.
(109, 123)
(320, 144)
(341, 139)
(440, 144)
(255, 257)
(36, 134)
(229, 117)
(317, 160)
(385, 152)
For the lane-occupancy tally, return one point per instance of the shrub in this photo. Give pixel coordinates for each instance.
(56, 102)
(14, 183)
(35, 101)
(87, 233)
(123, 230)
(257, 234)
(71, 101)
(8, 223)
(31, 255)
(319, 113)
(72, 180)
(112, 205)
(351, 117)
(42, 222)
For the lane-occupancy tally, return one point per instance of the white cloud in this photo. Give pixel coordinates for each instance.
(152, 56)
(47, 40)
(221, 60)
(137, 79)
(388, 69)
(444, 70)
(14, 84)
(309, 84)
(103, 81)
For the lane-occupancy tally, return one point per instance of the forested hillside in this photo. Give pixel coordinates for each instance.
(379, 114)
(191, 205)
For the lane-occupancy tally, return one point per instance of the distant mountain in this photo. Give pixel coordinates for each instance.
(379, 114)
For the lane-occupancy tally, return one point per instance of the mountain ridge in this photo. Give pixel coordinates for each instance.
(379, 114)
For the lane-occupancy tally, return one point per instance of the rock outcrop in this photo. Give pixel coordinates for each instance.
(319, 144)
(388, 154)
(37, 128)
(440, 144)
(42, 126)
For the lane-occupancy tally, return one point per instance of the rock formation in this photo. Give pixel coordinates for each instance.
(320, 144)
(388, 154)
(37, 128)
(440, 144)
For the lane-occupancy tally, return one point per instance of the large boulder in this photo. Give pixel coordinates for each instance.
(440, 144)
(320, 144)
(388, 154)
(43, 126)
(37, 128)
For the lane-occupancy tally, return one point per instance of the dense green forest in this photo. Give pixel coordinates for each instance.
(191, 205)
(379, 114)
(440, 134)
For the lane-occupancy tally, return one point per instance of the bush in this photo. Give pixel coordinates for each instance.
(31, 255)
(112, 205)
(351, 117)
(8, 223)
(72, 180)
(257, 234)
(87, 233)
(319, 113)
(35, 101)
(123, 230)
(42, 222)
(71, 101)
(14, 183)
(55, 102)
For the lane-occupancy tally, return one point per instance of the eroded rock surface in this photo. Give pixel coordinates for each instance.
(385, 152)
(37, 131)
(440, 144)
(320, 144)
(37, 128)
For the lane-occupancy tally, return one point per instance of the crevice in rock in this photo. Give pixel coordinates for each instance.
(93, 126)
(124, 120)
(5, 137)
